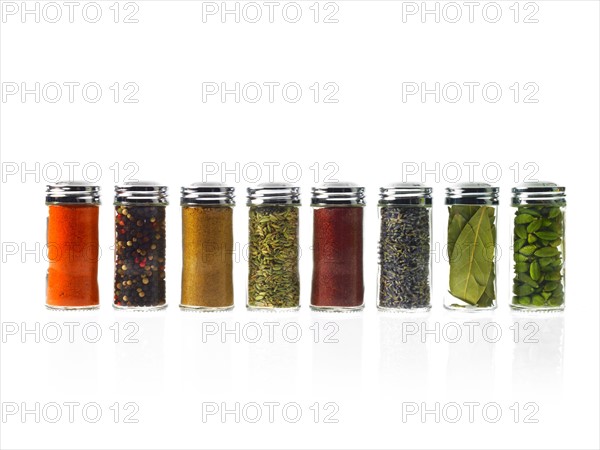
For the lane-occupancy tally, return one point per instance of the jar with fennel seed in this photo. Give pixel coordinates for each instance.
(207, 244)
(140, 246)
(337, 281)
(471, 249)
(273, 252)
(538, 247)
(73, 245)
(405, 267)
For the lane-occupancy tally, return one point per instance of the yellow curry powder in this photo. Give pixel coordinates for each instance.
(207, 278)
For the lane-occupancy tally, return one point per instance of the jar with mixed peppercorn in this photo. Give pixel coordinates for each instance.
(140, 246)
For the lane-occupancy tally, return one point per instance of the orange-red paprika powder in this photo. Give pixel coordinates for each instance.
(73, 246)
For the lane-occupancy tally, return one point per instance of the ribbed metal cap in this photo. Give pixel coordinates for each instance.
(141, 193)
(338, 194)
(540, 192)
(274, 194)
(74, 192)
(405, 194)
(472, 194)
(207, 194)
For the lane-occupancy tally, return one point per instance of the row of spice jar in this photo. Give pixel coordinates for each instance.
(405, 243)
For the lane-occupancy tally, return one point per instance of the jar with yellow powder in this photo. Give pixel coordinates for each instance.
(207, 223)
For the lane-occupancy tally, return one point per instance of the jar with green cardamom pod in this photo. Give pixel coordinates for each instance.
(471, 247)
(273, 250)
(539, 246)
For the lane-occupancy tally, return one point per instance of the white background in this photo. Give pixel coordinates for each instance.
(369, 133)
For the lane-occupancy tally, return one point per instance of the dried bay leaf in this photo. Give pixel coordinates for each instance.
(471, 263)
(455, 225)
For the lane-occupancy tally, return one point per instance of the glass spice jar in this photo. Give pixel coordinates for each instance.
(273, 253)
(140, 246)
(207, 225)
(73, 245)
(539, 246)
(337, 282)
(404, 282)
(472, 222)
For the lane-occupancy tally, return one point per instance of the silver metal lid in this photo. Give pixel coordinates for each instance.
(274, 194)
(141, 193)
(74, 192)
(338, 194)
(539, 192)
(472, 194)
(207, 194)
(405, 194)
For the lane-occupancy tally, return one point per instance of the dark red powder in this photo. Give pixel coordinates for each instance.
(338, 257)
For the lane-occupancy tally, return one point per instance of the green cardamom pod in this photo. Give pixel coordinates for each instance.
(519, 243)
(535, 271)
(524, 218)
(524, 300)
(552, 285)
(534, 226)
(530, 211)
(521, 258)
(547, 235)
(528, 250)
(522, 267)
(521, 231)
(554, 212)
(538, 300)
(524, 289)
(545, 261)
(553, 276)
(527, 279)
(545, 252)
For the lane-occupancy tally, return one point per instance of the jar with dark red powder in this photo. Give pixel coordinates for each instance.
(337, 282)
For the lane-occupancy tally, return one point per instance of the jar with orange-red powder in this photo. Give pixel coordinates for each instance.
(72, 243)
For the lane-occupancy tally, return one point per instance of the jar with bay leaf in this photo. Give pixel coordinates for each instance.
(539, 247)
(472, 223)
(404, 282)
(273, 253)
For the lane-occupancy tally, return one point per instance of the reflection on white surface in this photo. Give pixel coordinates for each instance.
(73, 367)
(203, 363)
(538, 355)
(403, 359)
(471, 362)
(141, 365)
(337, 366)
(272, 367)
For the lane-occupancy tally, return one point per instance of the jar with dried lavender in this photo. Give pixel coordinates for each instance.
(72, 242)
(273, 252)
(404, 282)
(140, 246)
(337, 282)
(207, 226)
(539, 246)
(472, 251)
